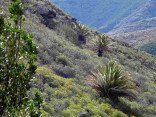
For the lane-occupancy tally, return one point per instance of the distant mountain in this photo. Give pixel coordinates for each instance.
(115, 16)
(133, 22)
(104, 15)
(144, 39)
(135, 26)
(138, 38)
(142, 18)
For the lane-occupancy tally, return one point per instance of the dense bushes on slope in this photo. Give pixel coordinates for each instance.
(61, 52)
(55, 48)
(65, 97)
(53, 44)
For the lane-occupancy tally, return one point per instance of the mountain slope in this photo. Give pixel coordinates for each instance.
(138, 38)
(112, 16)
(117, 17)
(144, 39)
(142, 18)
(63, 63)
(103, 15)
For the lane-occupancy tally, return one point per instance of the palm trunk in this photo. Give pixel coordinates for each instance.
(82, 39)
(100, 52)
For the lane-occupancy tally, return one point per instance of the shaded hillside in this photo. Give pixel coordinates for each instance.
(149, 48)
(63, 64)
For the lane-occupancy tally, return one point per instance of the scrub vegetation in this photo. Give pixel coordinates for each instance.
(66, 75)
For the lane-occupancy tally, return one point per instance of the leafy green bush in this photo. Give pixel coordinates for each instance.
(131, 107)
(118, 114)
(69, 32)
(65, 71)
(63, 60)
(17, 56)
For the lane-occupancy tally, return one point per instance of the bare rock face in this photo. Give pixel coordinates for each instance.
(45, 12)
(48, 12)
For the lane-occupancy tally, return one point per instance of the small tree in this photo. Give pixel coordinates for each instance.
(103, 43)
(17, 56)
(109, 82)
(83, 32)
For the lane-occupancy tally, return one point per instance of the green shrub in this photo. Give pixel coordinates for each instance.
(118, 114)
(63, 60)
(68, 31)
(65, 71)
(48, 109)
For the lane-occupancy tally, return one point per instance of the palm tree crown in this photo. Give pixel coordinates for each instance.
(111, 83)
(103, 43)
(103, 40)
(83, 32)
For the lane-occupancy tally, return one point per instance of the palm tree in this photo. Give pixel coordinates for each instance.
(109, 82)
(83, 32)
(103, 43)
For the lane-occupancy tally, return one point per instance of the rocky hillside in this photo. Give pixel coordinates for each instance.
(64, 63)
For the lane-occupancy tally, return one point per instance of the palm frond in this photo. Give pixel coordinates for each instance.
(83, 30)
(109, 81)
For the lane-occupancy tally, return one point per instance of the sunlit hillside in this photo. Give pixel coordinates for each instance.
(65, 62)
